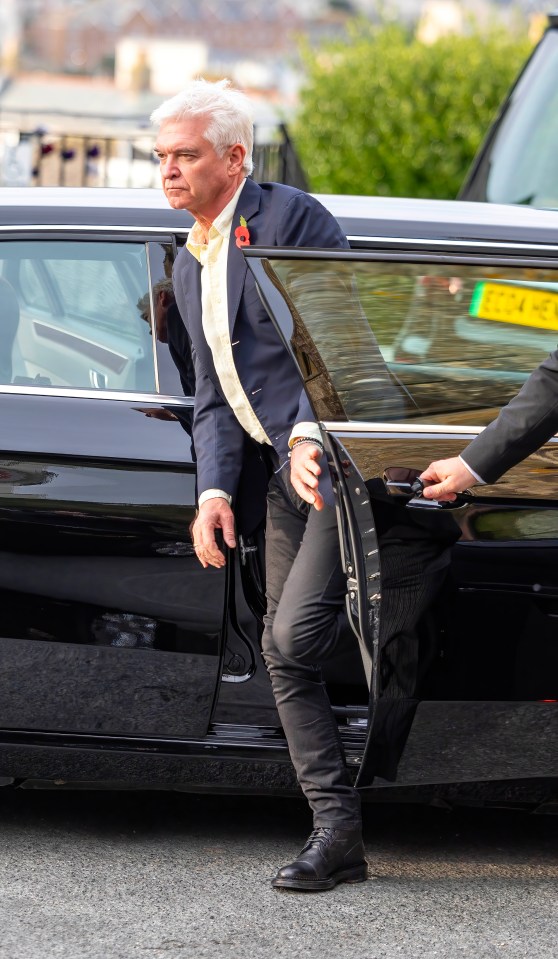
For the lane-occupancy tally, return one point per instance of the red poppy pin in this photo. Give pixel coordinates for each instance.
(242, 233)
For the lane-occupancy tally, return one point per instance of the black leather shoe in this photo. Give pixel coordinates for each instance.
(329, 856)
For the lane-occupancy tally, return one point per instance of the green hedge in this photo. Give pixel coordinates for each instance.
(385, 114)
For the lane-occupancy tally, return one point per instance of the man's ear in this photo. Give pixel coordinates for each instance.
(165, 298)
(236, 158)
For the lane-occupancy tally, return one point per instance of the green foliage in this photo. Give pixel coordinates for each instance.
(385, 114)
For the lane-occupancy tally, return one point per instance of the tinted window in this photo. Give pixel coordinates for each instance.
(174, 359)
(520, 164)
(31, 286)
(73, 316)
(404, 341)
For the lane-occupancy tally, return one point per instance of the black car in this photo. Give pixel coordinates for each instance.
(517, 161)
(122, 661)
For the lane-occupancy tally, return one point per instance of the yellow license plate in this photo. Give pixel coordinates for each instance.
(522, 305)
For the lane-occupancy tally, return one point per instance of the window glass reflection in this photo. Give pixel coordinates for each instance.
(406, 341)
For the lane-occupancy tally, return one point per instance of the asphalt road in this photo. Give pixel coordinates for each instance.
(142, 876)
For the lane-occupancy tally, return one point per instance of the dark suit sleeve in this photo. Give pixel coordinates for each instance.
(305, 222)
(522, 427)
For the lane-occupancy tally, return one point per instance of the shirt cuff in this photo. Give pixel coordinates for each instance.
(214, 494)
(311, 430)
(478, 478)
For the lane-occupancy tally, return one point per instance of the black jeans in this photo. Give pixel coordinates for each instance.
(305, 598)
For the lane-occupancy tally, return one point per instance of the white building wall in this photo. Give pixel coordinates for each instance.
(160, 66)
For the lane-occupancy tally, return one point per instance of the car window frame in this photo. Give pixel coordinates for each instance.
(476, 181)
(92, 233)
(491, 254)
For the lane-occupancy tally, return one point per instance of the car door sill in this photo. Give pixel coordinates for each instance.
(222, 739)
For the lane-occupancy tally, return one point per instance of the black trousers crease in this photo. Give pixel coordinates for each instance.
(306, 590)
(305, 600)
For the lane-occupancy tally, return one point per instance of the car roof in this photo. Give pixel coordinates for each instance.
(359, 216)
(89, 206)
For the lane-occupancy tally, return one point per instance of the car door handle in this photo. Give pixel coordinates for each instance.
(98, 380)
(404, 481)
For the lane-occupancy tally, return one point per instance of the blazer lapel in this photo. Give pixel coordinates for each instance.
(248, 206)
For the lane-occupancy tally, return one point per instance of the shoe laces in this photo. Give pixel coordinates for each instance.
(321, 836)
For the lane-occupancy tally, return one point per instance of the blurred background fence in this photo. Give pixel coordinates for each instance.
(120, 158)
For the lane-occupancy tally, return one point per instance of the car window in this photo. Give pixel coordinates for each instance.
(32, 289)
(518, 162)
(407, 341)
(523, 167)
(78, 322)
(174, 357)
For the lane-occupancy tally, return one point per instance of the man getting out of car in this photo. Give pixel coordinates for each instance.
(248, 390)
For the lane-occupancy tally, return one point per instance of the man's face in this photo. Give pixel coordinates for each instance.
(194, 177)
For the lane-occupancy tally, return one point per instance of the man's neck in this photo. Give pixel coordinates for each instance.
(204, 227)
(205, 221)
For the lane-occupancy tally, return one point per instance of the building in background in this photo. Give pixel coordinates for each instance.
(95, 69)
(161, 65)
(84, 36)
(10, 37)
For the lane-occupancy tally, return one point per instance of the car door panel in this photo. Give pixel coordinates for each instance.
(422, 623)
(454, 607)
(63, 358)
(107, 613)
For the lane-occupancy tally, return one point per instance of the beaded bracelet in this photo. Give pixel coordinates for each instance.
(306, 439)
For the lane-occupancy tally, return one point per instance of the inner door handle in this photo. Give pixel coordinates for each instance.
(98, 380)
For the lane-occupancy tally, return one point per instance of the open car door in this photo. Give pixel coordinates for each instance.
(405, 357)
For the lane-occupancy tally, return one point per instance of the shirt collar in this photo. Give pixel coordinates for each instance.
(221, 226)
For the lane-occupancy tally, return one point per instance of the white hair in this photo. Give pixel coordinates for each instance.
(228, 112)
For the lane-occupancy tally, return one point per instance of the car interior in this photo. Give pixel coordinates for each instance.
(79, 325)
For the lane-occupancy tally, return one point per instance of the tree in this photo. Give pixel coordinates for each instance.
(385, 114)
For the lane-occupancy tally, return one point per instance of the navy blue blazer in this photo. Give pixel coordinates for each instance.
(277, 215)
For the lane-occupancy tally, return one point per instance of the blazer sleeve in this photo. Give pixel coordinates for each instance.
(305, 222)
(522, 427)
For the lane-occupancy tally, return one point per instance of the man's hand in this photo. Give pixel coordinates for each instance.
(305, 472)
(449, 476)
(214, 514)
